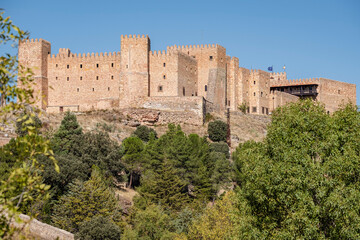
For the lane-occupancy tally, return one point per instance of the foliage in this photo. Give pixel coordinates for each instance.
(84, 201)
(132, 149)
(151, 223)
(303, 180)
(164, 187)
(220, 147)
(224, 220)
(217, 131)
(144, 132)
(68, 135)
(23, 183)
(243, 107)
(98, 228)
(24, 123)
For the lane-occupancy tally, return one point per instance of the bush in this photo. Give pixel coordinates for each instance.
(98, 228)
(217, 131)
(144, 132)
(25, 121)
(220, 147)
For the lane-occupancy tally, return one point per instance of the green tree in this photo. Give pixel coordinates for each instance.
(164, 187)
(217, 131)
(68, 135)
(23, 184)
(98, 228)
(23, 124)
(132, 150)
(151, 223)
(144, 132)
(302, 181)
(84, 201)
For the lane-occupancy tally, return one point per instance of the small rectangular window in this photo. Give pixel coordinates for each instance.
(254, 109)
(97, 65)
(164, 76)
(108, 88)
(67, 66)
(78, 90)
(127, 66)
(112, 77)
(67, 78)
(211, 58)
(160, 89)
(56, 78)
(254, 82)
(254, 94)
(229, 103)
(112, 64)
(80, 78)
(97, 77)
(261, 94)
(205, 88)
(80, 65)
(56, 65)
(338, 91)
(164, 64)
(263, 110)
(93, 89)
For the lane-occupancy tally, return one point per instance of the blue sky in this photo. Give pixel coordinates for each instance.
(313, 38)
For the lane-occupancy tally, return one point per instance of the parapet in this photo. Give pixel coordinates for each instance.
(134, 36)
(292, 82)
(32, 40)
(194, 47)
(65, 53)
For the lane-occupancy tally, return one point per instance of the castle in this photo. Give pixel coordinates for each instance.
(198, 79)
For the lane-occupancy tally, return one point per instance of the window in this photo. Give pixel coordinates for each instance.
(338, 91)
(254, 109)
(80, 78)
(195, 93)
(164, 64)
(80, 65)
(93, 89)
(261, 94)
(78, 90)
(112, 64)
(97, 77)
(160, 88)
(61, 109)
(56, 65)
(205, 88)
(56, 78)
(97, 65)
(164, 76)
(183, 91)
(108, 88)
(263, 110)
(211, 58)
(254, 82)
(229, 103)
(127, 66)
(112, 77)
(254, 93)
(267, 111)
(67, 78)
(67, 66)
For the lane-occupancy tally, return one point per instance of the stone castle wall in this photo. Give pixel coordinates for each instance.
(136, 76)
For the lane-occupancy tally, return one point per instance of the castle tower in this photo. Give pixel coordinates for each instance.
(34, 54)
(134, 70)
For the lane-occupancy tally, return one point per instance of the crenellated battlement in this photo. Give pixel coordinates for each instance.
(159, 53)
(134, 36)
(32, 40)
(302, 81)
(62, 55)
(193, 47)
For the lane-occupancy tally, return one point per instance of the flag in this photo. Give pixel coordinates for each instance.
(270, 68)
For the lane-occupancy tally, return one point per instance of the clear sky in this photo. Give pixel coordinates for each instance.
(313, 38)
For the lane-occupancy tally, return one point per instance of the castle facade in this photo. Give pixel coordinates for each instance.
(183, 78)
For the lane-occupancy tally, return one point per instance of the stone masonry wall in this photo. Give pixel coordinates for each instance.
(333, 93)
(278, 99)
(84, 80)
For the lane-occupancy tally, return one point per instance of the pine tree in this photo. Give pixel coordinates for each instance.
(68, 136)
(85, 201)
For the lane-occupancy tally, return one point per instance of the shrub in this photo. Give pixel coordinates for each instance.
(217, 131)
(98, 228)
(144, 132)
(220, 147)
(25, 121)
